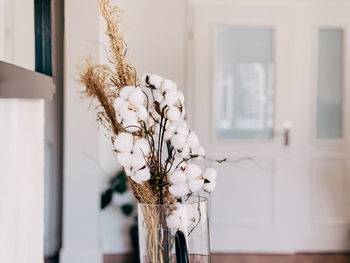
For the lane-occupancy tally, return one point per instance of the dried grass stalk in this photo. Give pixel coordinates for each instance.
(125, 71)
(96, 80)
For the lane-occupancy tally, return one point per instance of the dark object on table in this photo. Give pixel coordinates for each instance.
(181, 248)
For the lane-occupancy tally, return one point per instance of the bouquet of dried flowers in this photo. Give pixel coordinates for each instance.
(146, 122)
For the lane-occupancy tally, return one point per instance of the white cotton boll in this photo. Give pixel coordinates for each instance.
(183, 113)
(192, 140)
(163, 106)
(157, 95)
(124, 159)
(193, 171)
(143, 175)
(173, 221)
(195, 184)
(118, 103)
(178, 141)
(136, 179)
(125, 91)
(178, 161)
(126, 113)
(171, 97)
(137, 97)
(138, 161)
(131, 125)
(156, 128)
(142, 113)
(168, 124)
(142, 147)
(181, 97)
(150, 122)
(155, 80)
(124, 142)
(144, 78)
(155, 115)
(168, 85)
(201, 151)
(210, 174)
(198, 152)
(185, 152)
(128, 171)
(179, 190)
(169, 132)
(119, 117)
(173, 114)
(182, 130)
(181, 126)
(209, 187)
(177, 177)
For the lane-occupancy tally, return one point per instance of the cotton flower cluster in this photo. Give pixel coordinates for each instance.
(183, 217)
(168, 98)
(130, 108)
(132, 155)
(153, 115)
(191, 179)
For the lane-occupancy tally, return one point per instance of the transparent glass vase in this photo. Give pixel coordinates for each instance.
(174, 232)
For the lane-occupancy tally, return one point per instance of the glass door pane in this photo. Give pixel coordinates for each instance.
(244, 83)
(330, 84)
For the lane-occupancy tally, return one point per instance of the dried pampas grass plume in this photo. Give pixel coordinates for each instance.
(125, 71)
(96, 80)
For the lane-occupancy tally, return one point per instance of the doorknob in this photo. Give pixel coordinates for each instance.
(287, 125)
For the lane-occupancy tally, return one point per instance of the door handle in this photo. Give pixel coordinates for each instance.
(287, 125)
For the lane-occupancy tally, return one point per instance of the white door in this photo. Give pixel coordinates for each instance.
(266, 81)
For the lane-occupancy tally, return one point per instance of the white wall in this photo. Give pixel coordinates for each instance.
(21, 180)
(17, 32)
(156, 44)
(82, 177)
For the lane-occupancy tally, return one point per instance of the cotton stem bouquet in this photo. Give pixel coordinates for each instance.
(146, 123)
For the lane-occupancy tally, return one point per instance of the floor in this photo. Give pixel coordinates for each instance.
(223, 258)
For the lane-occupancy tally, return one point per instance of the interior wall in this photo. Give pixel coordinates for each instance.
(21, 180)
(81, 175)
(17, 32)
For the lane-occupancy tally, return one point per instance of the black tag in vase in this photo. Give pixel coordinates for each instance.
(181, 248)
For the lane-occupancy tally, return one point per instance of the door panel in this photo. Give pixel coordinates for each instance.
(244, 93)
(253, 196)
(322, 72)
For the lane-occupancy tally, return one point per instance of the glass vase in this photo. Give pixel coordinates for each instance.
(174, 232)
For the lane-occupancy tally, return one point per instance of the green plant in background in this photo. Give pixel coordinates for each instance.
(119, 184)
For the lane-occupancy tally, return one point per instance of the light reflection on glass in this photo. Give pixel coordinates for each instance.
(244, 81)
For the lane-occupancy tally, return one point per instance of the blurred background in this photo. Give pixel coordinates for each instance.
(263, 79)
